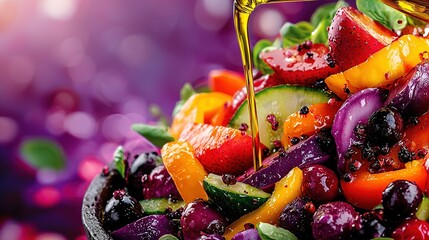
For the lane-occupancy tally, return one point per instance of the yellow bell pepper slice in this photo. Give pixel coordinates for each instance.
(185, 170)
(199, 108)
(382, 68)
(285, 190)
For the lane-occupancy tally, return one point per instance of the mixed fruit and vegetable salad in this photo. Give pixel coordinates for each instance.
(342, 105)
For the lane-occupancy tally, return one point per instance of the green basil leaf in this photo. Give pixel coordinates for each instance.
(270, 232)
(119, 160)
(185, 93)
(380, 12)
(382, 238)
(43, 153)
(257, 61)
(168, 237)
(326, 11)
(157, 135)
(320, 34)
(294, 34)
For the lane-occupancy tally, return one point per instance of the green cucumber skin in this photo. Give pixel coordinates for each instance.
(282, 101)
(234, 203)
(159, 205)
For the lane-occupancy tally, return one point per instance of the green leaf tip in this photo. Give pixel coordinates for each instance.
(43, 153)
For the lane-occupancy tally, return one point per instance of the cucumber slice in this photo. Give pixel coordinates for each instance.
(282, 101)
(160, 205)
(233, 200)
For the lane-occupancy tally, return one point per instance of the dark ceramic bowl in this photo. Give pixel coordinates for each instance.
(98, 193)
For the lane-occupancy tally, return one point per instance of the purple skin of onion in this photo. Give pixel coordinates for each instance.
(248, 234)
(300, 155)
(149, 227)
(411, 98)
(356, 110)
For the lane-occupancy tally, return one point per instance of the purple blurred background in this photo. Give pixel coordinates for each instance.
(78, 73)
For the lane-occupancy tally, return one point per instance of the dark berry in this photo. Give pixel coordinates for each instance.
(120, 210)
(159, 184)
(335, 220)
(401, 199)
(385, 126)
(297, 219)
(373, 225)
(320, 183)
(412, 229)
(143, 164)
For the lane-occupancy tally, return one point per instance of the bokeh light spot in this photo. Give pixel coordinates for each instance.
(21, 71)
(80, 124)
(133, 50)
(115, 127)
(269, 23)
(8, 129)
(58, 9)
(212, 15)
(47, 197)
(81, 68)
(89, 168)
(107, 150)
(50, 236)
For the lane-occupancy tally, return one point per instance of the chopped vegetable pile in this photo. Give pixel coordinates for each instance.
(342, 106)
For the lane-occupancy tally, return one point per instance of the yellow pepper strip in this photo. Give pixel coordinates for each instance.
(382, 68)
(185, 170)
(286, 190)
(199, 108)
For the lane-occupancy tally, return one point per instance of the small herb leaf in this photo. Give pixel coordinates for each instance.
(257, 61)
(380, 12)
(119, 160)
(157, 135)
(270, 232)
(43, 153)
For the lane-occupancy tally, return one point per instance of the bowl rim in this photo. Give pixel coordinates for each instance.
(96, 196)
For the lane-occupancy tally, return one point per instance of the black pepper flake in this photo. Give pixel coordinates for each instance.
(405, 155)
(229, 179)
(330, 60)
(294, 140)
(354, 165)
(421, 153)
(249, 226)
(243, 127)
(304, 110)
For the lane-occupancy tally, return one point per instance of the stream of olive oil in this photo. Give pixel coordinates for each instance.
(242, 11)
(416, 8)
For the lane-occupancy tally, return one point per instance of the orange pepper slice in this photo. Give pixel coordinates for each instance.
(382, 68)
(285, 190)
(185, 170)
(199, 108)
(320, 116)
(226, 81)
(365, 190)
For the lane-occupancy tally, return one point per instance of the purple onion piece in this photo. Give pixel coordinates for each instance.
(306, 152)
(149, 227)
(411, 98)
(248, 234)
(356, 110)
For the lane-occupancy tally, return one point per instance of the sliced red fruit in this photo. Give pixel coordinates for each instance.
(221, 150)
(353, 37)
(303, 64)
